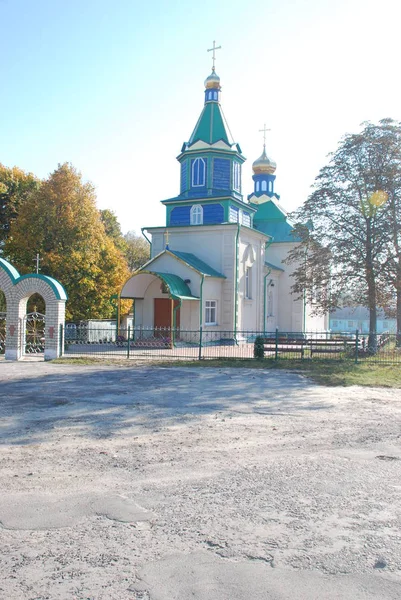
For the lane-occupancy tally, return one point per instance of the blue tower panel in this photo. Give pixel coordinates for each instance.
(184, 178)
(221, 174)
(180, 215)
(213, 214)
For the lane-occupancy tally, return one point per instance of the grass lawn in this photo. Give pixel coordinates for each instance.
(324, 372)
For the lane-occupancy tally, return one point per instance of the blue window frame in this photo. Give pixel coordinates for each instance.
(198, 172)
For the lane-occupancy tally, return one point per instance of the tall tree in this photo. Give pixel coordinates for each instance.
(112, 228)
(137, 250)
(15, 187)
(348, 239)
(60, 221)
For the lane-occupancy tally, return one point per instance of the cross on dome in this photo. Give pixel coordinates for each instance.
(264, 130)
(214, 53)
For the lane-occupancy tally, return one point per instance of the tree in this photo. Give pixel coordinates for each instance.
(60, 221)
(137, 250)
(348, 237)
(16, 186)
(113, 228)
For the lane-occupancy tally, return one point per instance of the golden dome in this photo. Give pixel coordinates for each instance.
(213, 81)
(264, 164)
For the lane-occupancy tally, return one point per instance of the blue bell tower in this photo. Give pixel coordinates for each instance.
(263, 175)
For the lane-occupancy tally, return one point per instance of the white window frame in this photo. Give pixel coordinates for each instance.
(196, 214)
(195, 165)
(264, 186)
(210, 312)
(236, 176)
(248, 283)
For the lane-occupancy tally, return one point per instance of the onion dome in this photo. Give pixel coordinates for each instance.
(213, 81)
(264, 164)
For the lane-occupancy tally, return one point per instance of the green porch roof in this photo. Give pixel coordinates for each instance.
(196, 263)
(211, 126)
(268, 264)
(177, 287)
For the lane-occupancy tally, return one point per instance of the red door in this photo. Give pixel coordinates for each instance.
(163, 313)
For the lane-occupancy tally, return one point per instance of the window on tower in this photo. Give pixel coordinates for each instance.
(264, 186)
(196, 215)
(237, 176)
(198, 172)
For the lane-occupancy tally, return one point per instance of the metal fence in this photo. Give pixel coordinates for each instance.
(202, 344)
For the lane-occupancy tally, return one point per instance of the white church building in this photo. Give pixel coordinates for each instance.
(217, 263)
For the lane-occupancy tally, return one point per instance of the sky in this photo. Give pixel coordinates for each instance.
(115, 88)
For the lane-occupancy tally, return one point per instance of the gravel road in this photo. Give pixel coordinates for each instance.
(160, 483)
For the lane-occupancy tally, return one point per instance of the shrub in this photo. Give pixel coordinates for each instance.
(258, 348)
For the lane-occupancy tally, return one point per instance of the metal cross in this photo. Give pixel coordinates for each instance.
(37, 262)
(264, 133)
(214, 52)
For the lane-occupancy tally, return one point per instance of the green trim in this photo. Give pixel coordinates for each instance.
(9, 269)
(196, 263)
(236, 280)
(201, 302)
(15, 278)
(264, 300)
(175, 309)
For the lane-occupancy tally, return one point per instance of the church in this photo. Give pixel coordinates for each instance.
(217, 263)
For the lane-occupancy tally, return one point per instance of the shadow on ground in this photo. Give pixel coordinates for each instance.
(37, 398)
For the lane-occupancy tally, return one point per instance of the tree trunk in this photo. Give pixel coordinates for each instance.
(371, 281)
(398, 336)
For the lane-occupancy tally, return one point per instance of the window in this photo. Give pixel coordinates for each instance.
(236, 176)
(351, 323)
(334, 324)
(196, 215)
(264, 186)
(257, 186)
(198, 172)
(211, 312)
(248, 283)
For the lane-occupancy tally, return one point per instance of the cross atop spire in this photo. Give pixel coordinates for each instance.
(214, 53)
(264, 130)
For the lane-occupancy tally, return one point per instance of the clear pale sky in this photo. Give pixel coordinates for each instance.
(115, 88)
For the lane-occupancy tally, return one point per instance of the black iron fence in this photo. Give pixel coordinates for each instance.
(205, 343)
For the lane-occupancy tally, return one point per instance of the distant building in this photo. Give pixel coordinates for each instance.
(357, 317)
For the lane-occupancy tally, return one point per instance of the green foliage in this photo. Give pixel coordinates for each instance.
(350, 243)
(16, 187)
(2, 302)
(60, 221)
(137, 250)
(258, 348)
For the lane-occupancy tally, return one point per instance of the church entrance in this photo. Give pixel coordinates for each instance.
(163, 313)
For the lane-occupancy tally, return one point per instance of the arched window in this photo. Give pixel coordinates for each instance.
(270, 186)
(236, 176)
(257, 186)
(198, 172)
(196, 215)
(264, 186)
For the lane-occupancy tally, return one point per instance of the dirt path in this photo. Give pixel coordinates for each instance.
(163, 484)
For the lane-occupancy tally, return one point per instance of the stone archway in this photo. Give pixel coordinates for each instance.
(17, 289)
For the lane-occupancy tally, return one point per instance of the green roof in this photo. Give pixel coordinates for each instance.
(268, 264)
(272, 219)
(196, 263)
(177, 286)
(211, 126)
(15, 277)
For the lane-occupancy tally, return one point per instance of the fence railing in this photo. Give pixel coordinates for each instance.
(205, 343)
